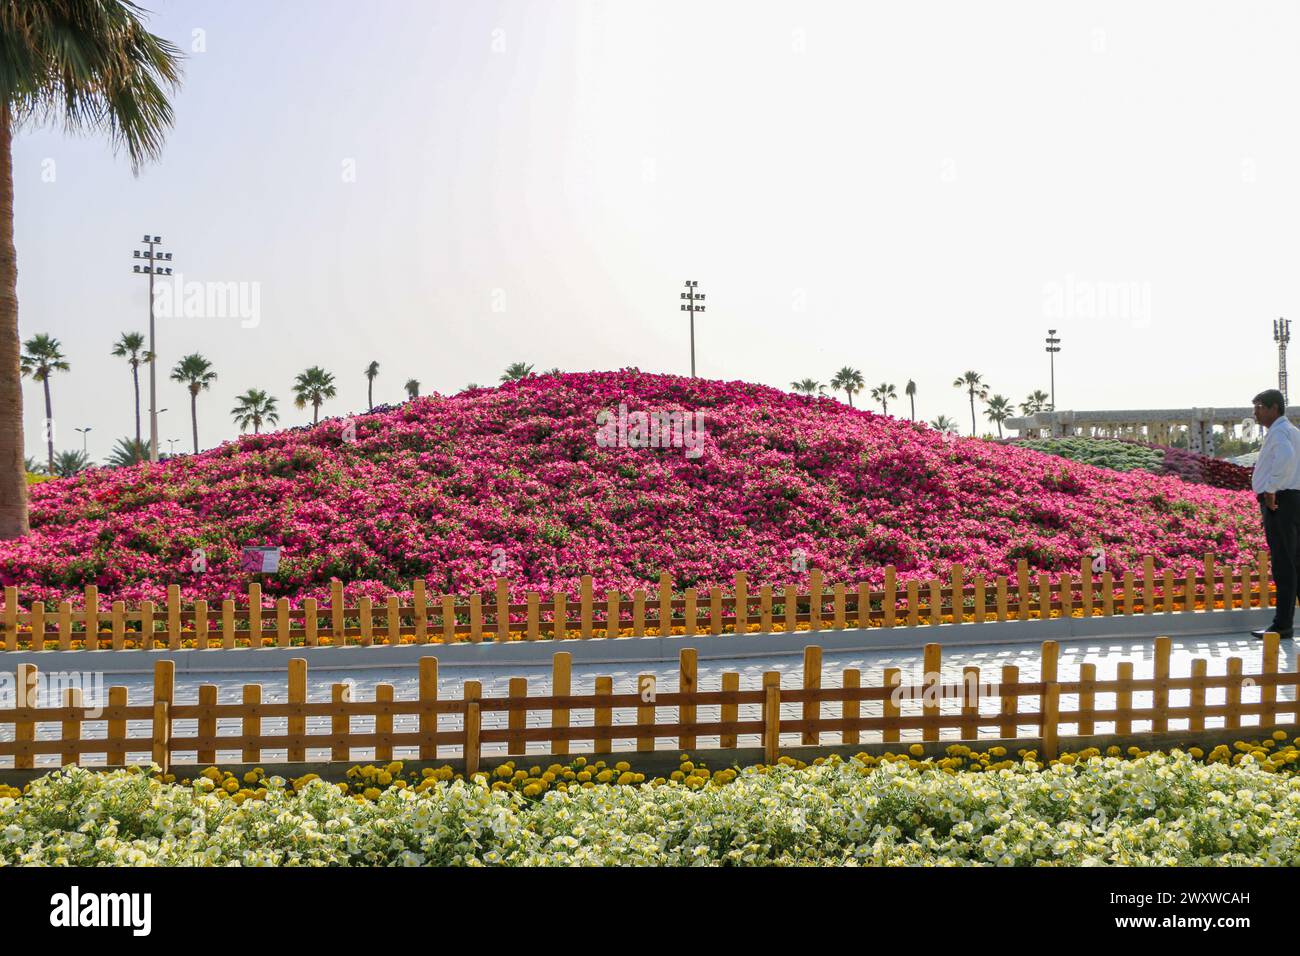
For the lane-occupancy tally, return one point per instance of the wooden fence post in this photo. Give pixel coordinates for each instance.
(383, 722)
(1087, 699)
(730, 712)
(420, 609)
(65, 625)
(613, 614)
(340, 722)
(812, 680)
(560, 622)
(252, 725)
(366, 615)
(207, 726)
(1268, 689)
(689, 660)
(665, 604)
(428, 705)
(517, 720)
(1197, 721)
(25, 729)
(889, 604)
(503, 610)
(1124, 699)
(227, 625)
(310, 623)
(116, 755)
(448, 619)
(1022, 590)
(715, 611)
(473, 692)
(603, 714)
(1232, 698)
(394, 617)
(92, 617)
(586, 605)
(338, 623)
(1160, 696)
(765, 609)
(1148, 584)
(890, 709)
(70, 731)
(638, 613)
(645, 711)
(11, 618)
(1010, 703)
(970, 703)
(740, 623)
(562, 686)
(475, 618)
(771, 717)
(791, 608)
(931, 683)
(815, 599)
(297, 723)
(534, 625)
(851, 709)
(254, 614)
(282, 622)
(1051, 717)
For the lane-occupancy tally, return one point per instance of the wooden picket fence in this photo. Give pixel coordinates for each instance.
(430, 742)
(451, 618)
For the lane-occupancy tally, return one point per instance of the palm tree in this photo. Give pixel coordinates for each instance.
(883, 393)
(311, 388)
(44, 355)
(255, 408)
(515, 371)
(33, 467)
(807, 386)
(195, 372)
(68, 463)
(999, 410)
(470, 387)
(412, 388)
(554, 371)
(371, 371)
(944, 424)
(91, 66)
(1036, 402)
(974, 385)
(910, 391)
(130, 346)
(850, 380)
(128, 451)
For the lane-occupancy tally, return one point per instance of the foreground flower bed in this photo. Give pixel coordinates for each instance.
(512, 482)
(1229, 807)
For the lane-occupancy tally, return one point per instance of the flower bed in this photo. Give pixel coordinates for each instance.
(1153, 809)
(1122, 454)
(513, 482)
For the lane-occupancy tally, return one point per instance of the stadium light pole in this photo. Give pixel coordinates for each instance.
(84, 432)
(693, 303)
(152, 257)
(1281, 335)
(1053, 346)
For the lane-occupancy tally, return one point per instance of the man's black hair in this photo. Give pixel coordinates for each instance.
(1271, 398)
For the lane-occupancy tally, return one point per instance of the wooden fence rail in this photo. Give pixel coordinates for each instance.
(932, 706)
(446, 619)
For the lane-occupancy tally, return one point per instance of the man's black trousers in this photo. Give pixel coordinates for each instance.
(1282, 532)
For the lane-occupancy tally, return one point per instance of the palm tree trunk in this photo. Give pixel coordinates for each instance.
(49, 422)
(912, 399)
(315, 412)
(135, 381)
(849, 393)
(13, 470)
(370, 395)
(194, 418)
(257, 424)
(972, 414)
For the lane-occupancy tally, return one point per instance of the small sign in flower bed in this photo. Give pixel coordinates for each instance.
(1229, 807)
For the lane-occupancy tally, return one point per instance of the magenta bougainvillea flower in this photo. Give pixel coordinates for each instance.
(512, 482)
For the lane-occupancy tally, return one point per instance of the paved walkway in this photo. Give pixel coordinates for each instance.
(1105, 654)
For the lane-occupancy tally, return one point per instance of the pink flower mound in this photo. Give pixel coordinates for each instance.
(436, 486)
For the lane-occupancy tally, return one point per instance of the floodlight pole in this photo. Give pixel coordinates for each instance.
(693, 303)
(151, 268)
(1281, 335)
(1053, 346)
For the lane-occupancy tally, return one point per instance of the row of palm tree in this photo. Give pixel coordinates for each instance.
(999, 408)
(43, 355)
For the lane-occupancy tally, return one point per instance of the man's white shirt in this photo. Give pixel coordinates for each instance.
(1278, 465)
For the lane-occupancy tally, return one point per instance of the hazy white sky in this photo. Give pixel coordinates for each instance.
(911, 189)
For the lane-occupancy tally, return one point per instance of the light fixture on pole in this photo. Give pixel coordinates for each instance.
(1281, 335)
(84, 431)
(694, 302)
(1053, 346)
(151, 267)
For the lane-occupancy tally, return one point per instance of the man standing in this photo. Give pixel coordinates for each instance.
(1276, 483)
